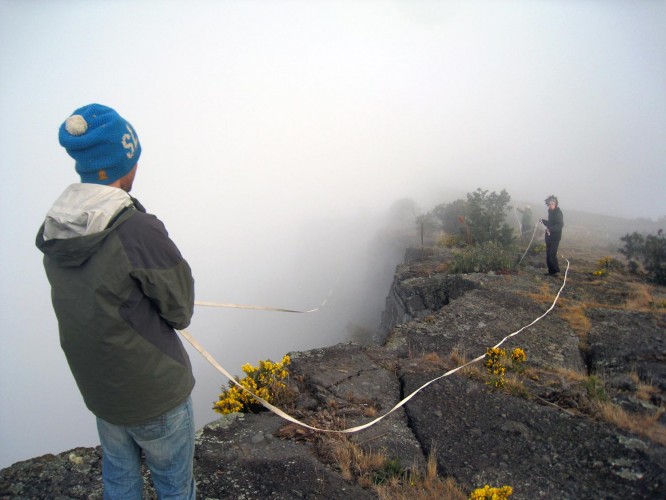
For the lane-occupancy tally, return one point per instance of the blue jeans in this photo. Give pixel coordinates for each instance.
(167, 443)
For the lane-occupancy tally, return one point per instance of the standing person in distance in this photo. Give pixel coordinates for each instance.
(554, 225)
(120, 288)
(526, 228)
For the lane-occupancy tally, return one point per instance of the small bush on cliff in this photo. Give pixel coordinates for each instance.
(447, 240)
(486, 216)
(607, 264)
(497, 362)
(495, 367)
(538, 249)
(483, 258)
(596, 389)
(650, 251)
(451, 216)
(265, 380)
(478, 219)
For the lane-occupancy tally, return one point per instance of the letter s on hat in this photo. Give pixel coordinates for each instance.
(131, 146)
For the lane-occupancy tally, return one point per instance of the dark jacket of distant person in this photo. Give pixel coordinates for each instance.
(555, 223)
(554, 226)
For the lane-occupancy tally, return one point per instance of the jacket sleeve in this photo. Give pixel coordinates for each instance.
(159, 268)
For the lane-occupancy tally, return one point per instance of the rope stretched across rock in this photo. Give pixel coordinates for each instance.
(263, 308)
(528, 245)
(350, 430)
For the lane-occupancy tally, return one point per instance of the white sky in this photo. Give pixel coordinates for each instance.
(260, 118)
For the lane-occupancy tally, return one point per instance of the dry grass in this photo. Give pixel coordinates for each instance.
(458, 357)
(642, 424)
(354, 462)
(475, 371)
(370, 411)
(644, 297)
(543, 296)
(433, 357)
(571, 311)
(569, 375)
(574, 313)
(370, 469)
(514, 385)
(640, 297)
(421, 485)
(646, 425)
(430, 268)
(433, 360)
(644, 391)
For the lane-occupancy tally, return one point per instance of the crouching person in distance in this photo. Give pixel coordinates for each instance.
(119, 288)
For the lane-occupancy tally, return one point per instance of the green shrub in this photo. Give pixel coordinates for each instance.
(479, 218)
(391, 469)
(538, 249)
(486, 216)
(607, 264)
(650, 251)
(451, 216)
(447, 240)
(483, 258)
(596, 389)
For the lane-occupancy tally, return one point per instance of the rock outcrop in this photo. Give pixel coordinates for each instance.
(544, 433)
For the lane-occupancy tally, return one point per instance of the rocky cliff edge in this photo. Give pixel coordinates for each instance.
(584, 418)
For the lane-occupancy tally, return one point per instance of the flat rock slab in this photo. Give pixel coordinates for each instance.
(482, 319)
(360, 378)
(239, 457)
(482, 436)
(621, 341)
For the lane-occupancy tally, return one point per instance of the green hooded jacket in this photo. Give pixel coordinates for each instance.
(119, 288)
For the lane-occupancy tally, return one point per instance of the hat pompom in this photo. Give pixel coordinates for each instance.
(76, 125)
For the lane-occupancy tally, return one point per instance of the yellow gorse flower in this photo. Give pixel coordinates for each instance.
(496, 360)
(494, 365)
(518, 355)
(265, 381)
(488, 493)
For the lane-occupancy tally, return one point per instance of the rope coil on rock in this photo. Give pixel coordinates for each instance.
(350, 430)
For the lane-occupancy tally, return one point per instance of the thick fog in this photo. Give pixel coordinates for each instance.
(276, 137)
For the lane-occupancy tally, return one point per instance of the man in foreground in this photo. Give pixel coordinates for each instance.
(119, 289)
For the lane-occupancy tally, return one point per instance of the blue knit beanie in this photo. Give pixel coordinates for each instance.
(103, 143)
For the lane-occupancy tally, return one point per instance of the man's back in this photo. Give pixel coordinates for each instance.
(119, 288)
(118, 294)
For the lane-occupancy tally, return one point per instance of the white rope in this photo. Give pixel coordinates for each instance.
(262, 308)
(350, 430)
(520, 224)
(529, 244)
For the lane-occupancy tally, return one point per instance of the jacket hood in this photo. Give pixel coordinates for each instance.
(79, 221)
